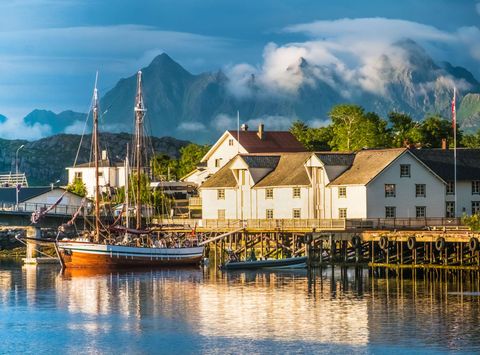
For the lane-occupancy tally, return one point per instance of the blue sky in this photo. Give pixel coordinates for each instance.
(50, 50)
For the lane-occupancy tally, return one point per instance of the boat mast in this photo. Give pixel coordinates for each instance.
(139, 115)
(96, 154)
(127, 191)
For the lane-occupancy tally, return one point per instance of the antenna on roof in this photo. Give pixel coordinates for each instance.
(238, 132)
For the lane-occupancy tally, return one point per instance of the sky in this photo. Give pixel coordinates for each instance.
(50, 50)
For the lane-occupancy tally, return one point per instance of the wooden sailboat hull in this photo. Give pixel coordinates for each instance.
(91, 255)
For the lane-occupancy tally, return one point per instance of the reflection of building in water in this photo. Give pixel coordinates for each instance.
(5, 285)
(272, 305)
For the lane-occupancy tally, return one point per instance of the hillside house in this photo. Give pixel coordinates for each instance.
(232, 143)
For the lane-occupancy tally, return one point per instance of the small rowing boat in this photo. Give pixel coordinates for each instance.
(288, 263)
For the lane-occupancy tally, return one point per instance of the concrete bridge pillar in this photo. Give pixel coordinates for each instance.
(32, 232)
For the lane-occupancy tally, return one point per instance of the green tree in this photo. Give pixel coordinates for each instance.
(313, 139)
(353, 129)
(434, 128)
(403, 129)
(163, 167)
(190, 156)
(77, 187)
(470, 140)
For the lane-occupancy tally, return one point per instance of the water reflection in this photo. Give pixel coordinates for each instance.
(204, 309)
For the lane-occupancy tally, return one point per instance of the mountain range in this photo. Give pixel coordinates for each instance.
(199, 107)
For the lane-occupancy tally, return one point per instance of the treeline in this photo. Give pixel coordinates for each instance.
(352, 129)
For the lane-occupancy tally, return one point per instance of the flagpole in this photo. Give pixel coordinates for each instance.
(238, 131)
(454, 118)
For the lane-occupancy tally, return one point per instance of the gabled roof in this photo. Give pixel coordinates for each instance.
(8, 195)
(272, 142)
(222, 178)
(290, 171)
(336, 158)
(367, 165)
(441, 161)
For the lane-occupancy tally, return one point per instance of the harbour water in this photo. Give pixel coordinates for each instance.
(43, 310)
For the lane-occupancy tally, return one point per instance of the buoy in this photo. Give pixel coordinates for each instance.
(411, 243)
(473, 244)
(384, 242)
(440, 243)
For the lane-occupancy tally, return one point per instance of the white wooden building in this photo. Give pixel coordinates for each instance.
(381, 183)
(232, 143)
(111, 174)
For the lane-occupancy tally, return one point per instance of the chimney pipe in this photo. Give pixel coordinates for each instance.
(444, 144)
(104, 155)
(260, 131)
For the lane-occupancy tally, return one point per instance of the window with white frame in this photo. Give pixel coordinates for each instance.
(342, 213)
(420, 190)
(420, 211)
(78, 175)
(342, 192)
(404, 170)
(296, 212)
(221, 214)
(217, 162)
(269, 214)
(221, 194)
(450, 188)
(475, 207)
(296, 192)
(268, 194)
(390, 212)
(390, 190)
(476, 187)
(450, 209)
(230, 142)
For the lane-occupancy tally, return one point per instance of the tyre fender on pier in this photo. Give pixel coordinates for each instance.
(384, 243)
(411, 242)
(440, 243)
(473, 244)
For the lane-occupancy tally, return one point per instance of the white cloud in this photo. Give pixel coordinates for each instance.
(16, 128)
(350, 55)
(77, 127)
(191, 126)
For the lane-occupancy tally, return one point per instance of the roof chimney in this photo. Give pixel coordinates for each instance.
(244, 127)
(444, 144)
(260, 131)
(104, 155)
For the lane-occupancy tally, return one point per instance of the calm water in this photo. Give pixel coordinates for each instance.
(206, 311)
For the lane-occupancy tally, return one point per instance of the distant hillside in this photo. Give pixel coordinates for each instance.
(45, 160)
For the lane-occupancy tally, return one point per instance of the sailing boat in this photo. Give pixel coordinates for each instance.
(122, 247)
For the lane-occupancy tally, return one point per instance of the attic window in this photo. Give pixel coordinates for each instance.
(296, 192)
(405, 170)
(342, 192)
(268, 193)
(230, 142)
(221, 194)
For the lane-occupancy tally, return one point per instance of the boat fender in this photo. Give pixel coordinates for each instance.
(440, 243)
(356, 241)
(473, 244)
(384, 242)
(411, 242)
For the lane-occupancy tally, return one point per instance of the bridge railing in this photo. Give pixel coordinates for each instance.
(32, 207)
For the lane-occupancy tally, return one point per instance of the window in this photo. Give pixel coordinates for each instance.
(269, 214)
(390, 212)
(389, 190)
(404, 170)
(78, 175)
(421, 211)
(296, 192)
(420, 190)
(269, 194)
(217, 162)
(100, 174)
(221, 214)
(475, 207)
(342, 213)
(342, 192)
(243, 179)
(450, 209)
(296, 213)
(230, 142)
(476, 187)
(450, 188)
(221, 194)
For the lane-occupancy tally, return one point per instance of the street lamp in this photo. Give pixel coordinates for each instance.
(16, 176)
(54, 183)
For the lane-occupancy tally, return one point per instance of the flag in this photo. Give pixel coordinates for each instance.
(19, 186)
(454, 111)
